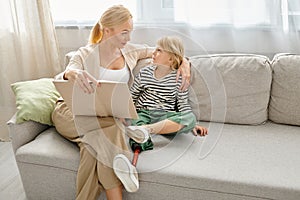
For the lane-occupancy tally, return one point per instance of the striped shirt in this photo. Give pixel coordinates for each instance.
(150, 93)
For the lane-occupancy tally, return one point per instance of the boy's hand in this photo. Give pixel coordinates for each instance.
(200, 130)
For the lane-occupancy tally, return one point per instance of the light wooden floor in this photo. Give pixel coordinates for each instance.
(11, 187)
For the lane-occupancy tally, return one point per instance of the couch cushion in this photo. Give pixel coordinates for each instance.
(252, 161)
(50, 149)
(230, 88)
(285, 93)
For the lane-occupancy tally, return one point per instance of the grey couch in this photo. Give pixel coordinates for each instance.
(251, 108)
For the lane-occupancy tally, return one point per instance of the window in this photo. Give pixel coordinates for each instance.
(237, 13)
(290, 11)
(198, 13)
(87, 12)
(5, 14)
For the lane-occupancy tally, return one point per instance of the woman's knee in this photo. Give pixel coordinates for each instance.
(63, 121)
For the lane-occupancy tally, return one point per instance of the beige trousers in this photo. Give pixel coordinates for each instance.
(99, 140)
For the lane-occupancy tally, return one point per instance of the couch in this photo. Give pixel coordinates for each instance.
(250, 105)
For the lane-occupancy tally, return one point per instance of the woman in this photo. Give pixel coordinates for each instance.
(100, 139)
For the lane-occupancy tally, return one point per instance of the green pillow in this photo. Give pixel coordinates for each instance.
(35, 100)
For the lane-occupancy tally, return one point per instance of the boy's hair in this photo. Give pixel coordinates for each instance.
(174, 46)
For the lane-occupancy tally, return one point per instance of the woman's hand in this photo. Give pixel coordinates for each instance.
(200, 130)
(184, 71)
(82, 78)
(123, 121)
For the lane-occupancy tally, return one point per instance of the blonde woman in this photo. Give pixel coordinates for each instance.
(108, 56)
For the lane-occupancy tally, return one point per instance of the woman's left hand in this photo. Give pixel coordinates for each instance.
(123, 121)
(200, 130)
(185, 72)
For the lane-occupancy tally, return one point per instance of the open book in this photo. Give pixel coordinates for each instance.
(110, 99)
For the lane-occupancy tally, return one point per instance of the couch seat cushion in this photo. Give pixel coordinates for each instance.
(255, 161)
(50, 149)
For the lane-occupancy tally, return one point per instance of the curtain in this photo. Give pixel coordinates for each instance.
(28, 48)
(257, 26)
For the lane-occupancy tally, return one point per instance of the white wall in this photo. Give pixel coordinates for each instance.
(203, 41)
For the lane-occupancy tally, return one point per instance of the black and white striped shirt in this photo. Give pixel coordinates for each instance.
(151, 93)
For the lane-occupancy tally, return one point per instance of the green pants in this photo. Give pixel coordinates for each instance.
(187, 119)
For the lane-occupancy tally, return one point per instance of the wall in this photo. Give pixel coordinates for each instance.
(203, 41)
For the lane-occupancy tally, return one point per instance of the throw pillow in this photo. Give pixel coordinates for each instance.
(35, 100)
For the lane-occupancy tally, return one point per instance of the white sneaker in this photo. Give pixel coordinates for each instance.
(126, 172)
(137, 133)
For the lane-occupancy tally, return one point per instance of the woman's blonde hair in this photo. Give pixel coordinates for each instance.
(113, 16)
(174, 46)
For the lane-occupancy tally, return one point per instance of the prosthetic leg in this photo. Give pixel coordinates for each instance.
(137, 148)
(136, 151)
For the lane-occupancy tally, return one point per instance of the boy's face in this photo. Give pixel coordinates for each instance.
(161, 57)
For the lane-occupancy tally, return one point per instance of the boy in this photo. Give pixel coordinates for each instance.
(161, 106)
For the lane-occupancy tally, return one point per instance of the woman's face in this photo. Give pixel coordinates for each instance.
(120, 35)
(161, 57)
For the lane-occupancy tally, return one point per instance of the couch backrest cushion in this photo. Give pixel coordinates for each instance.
(231, 88)
(285, 93)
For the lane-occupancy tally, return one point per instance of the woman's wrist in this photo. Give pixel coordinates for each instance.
(188, 60)
(65, 75)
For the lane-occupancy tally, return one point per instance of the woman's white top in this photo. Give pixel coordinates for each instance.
(117, 75)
